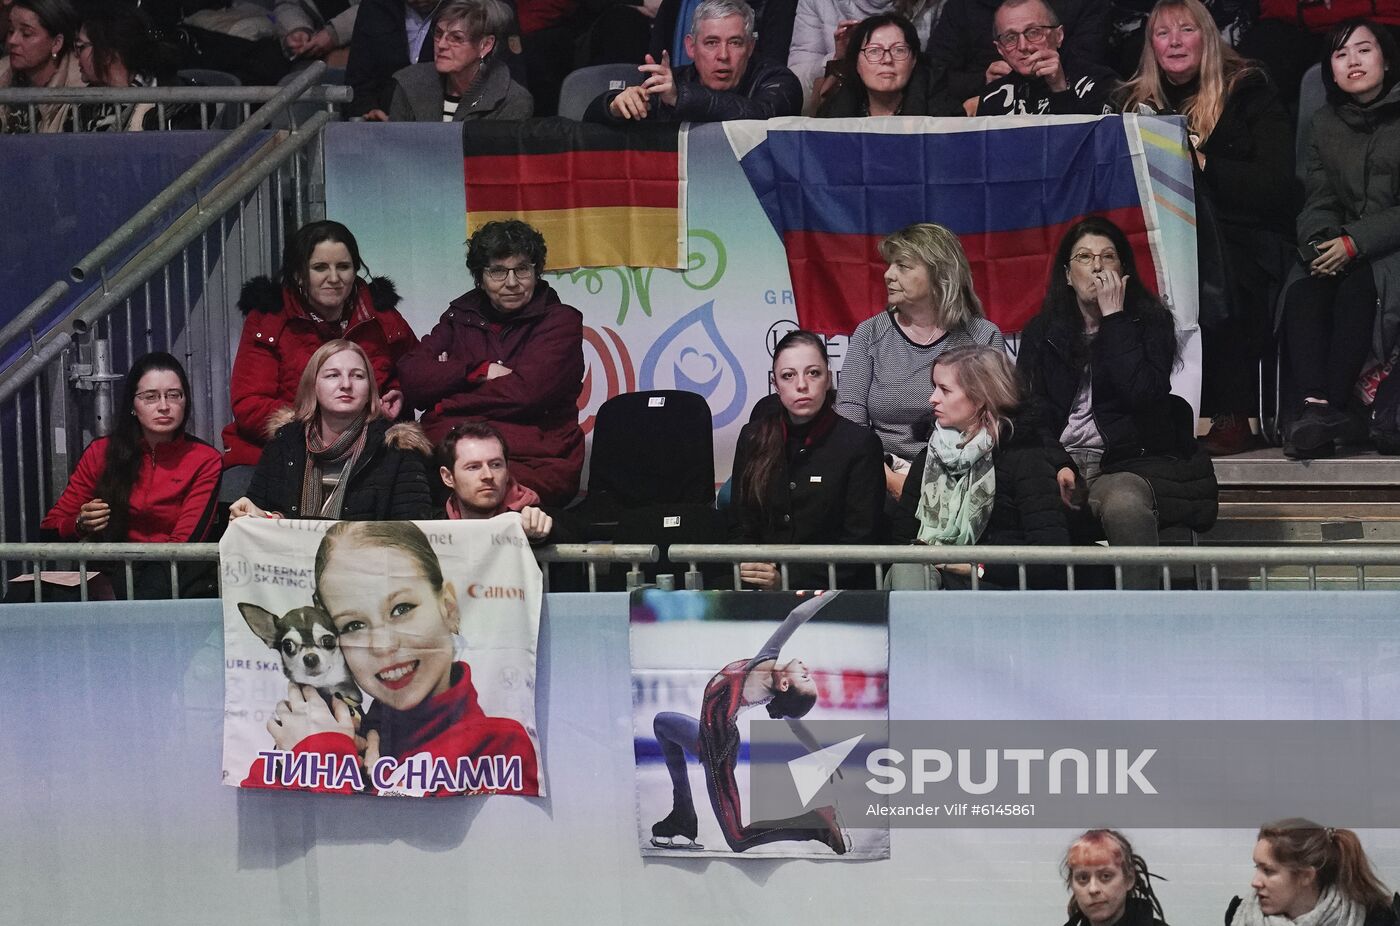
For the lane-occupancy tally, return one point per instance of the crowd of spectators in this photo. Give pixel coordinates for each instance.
(1115, 450)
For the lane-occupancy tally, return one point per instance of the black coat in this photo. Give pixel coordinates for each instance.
(1389, 916)
(960, 45)
(390, 481)
(924, 96)
(766, 90)
(1026, 511)
(831, 491)
(378, 49)
(1145, 428)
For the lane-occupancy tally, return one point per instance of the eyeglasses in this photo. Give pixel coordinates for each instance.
(153, 396)
(456, 38)
(1033, 36)
(1087, 258)
(876, 53)
(523, 274)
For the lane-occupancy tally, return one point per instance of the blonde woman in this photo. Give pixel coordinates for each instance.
(336, 455)
(981, 479)
(1242, 143)
(931, 308)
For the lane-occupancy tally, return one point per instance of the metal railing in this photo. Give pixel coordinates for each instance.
(89, 559)
(216, 107)
(167, 279)
(1330, 566)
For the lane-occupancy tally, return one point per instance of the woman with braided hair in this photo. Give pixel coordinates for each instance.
(1109, 883)
(786, 690)
(1307, 874)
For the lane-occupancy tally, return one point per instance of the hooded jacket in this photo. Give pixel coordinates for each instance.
(535, 406)
(279, 338)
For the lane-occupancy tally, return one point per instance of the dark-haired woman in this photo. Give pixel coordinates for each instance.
(1099, 359)
(1313, 875)
(511, 354)
(1109, 883)
(804, 474)
(883, 73)
(115, 48)
(148, 481)
(1243, 145)
(984, 476)
(319, 296)
(39, 53)
(1351, 222)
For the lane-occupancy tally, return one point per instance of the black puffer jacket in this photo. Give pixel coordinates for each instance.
(1146, 430)
(390, 481)
(1026, 512)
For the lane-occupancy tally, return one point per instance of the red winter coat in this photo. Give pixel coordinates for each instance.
(172, 501)
(279, 338)
(535, 406)
(1320, 17)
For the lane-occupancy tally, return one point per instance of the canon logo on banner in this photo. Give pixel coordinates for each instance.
(477, 590)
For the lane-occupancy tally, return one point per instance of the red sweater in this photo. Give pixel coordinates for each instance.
(173, 499)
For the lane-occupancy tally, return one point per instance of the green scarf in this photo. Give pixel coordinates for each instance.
(960, 485)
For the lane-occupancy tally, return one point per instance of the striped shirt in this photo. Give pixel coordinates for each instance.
(885, 379)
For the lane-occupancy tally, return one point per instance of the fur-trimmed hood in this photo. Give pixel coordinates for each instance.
(263, 294)
(405, 435)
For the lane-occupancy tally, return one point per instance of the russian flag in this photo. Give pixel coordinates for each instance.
(1008, 186)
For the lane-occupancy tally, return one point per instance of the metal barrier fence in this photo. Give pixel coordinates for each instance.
(1330, 566)
(89, 559)
(218, 224)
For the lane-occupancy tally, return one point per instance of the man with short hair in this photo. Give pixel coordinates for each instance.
(723, 83)
(1041, 81)
(475, 465)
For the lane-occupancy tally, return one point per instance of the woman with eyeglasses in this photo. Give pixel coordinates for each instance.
(1242, 143)
(319, 296)
(116, 48)
(1098, 360)
(509, 353)
(883, 74)
(39, 53)
(824, 32)
(465, 80)
(146, 482)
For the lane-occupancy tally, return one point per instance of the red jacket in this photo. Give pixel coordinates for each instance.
(173, 499)
(449, 726)
(535, 407)
(1320, 17)
(278, 339)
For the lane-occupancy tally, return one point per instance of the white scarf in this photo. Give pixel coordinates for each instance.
(959, 487)
(1332, 909)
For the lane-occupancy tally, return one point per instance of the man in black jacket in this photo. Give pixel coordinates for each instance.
(1036, 78)
(723, 83)
(389, 35)
(959, 48)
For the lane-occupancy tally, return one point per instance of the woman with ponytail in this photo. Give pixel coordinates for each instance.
(984, 476)
(146, 482)
(1109, 883)
(1306, 874)
(804, 474)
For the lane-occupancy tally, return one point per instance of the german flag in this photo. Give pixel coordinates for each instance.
(600, 196)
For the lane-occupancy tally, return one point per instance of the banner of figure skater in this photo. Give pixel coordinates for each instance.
(703, 663)
(389, 657)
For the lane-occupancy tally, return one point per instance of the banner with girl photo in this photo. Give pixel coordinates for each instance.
(700, 662)
(381, 657)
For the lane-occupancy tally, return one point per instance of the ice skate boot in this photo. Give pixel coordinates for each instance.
(834, 834)
(678, 825)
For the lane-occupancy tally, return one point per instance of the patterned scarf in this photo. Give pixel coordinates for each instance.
(1333, 909)
(960, 485)
(347, 448)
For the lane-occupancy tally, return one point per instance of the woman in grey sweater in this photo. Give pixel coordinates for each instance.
(464, 80)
